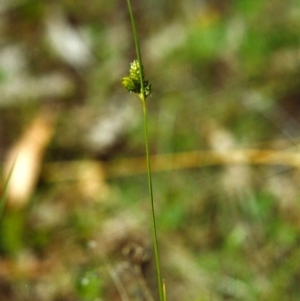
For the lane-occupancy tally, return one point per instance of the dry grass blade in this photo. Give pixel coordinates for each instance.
(185, 160)
(5, 189)
(29, 151)
(56, 172)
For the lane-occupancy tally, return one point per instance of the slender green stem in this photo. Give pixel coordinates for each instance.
(155, 242)
(143, 99)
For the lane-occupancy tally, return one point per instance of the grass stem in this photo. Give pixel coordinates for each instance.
(142, 96)
(150, 186)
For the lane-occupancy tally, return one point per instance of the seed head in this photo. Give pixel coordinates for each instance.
(132, 81)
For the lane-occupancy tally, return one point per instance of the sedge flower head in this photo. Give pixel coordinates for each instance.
(132, 82)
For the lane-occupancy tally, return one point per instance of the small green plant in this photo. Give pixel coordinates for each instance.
(135, 82)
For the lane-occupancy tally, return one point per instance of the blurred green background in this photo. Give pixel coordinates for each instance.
(225, 76)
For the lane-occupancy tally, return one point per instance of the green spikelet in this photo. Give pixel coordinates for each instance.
(132, 81)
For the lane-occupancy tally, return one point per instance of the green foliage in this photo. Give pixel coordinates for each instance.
(249, 7)
(173, 217)
(12, 232)
(206, 41)
(89, 285)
